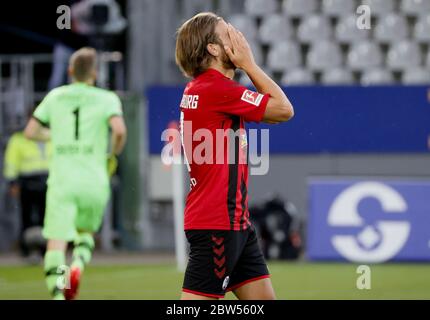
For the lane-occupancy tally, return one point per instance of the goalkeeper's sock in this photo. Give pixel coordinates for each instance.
(55, 261)
(82, 251)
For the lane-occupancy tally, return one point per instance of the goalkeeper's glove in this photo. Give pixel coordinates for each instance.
(112, 164)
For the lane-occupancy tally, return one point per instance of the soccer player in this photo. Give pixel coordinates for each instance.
(224, 252)
(79, 116)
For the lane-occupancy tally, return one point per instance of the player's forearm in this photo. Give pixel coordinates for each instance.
(119, 134)
(264, 84)
(118, 142)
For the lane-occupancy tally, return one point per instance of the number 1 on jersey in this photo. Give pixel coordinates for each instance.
(76, 114)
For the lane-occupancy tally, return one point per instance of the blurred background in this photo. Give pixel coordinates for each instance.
(349, 176)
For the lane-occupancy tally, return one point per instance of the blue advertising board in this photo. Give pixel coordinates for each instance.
(391, 119)
(369, 221)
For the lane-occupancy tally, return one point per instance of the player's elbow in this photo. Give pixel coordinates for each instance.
(286, 112)
(278, 111)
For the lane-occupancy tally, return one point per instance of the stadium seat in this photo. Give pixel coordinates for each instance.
(347, 32)
(257, 51)
(298, 77)
(338, 8)
(258, 8)
(245, 24)
(323, 56)
(391, 28)
(403, 55)
(416, 76)
(299, 8)
(422, 29)
(364, 55)
(337, 76)
(380, 8)
(377, 77)
(314, 28)
(415, 7)
(274, 29)
(284, 56)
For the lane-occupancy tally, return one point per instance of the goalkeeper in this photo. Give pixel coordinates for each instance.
(78, 116)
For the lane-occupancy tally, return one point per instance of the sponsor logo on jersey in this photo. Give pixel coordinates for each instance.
(252, 97)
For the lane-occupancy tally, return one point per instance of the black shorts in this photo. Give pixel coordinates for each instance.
(222, 260)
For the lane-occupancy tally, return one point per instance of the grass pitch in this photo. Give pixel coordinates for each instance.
(291, 281)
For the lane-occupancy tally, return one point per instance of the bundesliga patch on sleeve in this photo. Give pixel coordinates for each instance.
(252, 97)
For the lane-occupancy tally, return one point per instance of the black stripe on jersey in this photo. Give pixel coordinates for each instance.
(233, 169)
(244, 193)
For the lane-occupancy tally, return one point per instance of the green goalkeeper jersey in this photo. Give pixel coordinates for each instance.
(78, 117)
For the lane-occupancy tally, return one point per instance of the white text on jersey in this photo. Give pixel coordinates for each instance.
(189, 101)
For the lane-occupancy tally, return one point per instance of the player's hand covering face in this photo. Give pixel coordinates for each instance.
(239, 52)
(224, 40)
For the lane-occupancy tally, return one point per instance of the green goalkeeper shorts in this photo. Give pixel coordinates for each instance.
(72, 209)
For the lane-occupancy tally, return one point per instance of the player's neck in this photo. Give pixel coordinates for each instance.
(229, 73)
(89, 82)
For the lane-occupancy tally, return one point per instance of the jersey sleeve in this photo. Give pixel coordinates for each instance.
(235, 99)
(42, 111)
(113, 108)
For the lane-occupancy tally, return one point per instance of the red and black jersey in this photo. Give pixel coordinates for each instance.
(214, 110)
